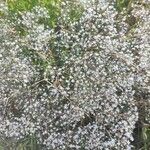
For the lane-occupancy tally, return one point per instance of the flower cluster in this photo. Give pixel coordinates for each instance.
(73, 87)
(141, 54)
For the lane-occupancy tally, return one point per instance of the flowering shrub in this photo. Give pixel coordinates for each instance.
(73, 86)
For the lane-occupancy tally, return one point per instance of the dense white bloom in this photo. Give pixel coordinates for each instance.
(73, 88)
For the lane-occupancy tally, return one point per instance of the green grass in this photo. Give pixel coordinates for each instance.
(53, 6)
(28, 143)
(146, 138)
